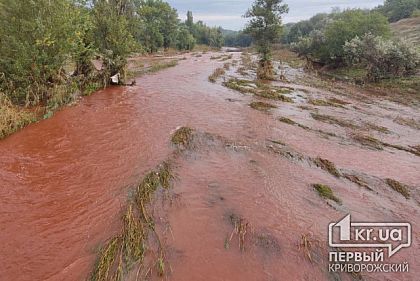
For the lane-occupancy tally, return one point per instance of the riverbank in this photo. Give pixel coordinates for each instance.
(14, 118)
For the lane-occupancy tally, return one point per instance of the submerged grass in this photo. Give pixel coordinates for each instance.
(377, 128)
(242, 86)
(259, 89)
(160, 66)
(319, 102)
(308, 245)
(134, 237)
(410, 122)
(327, 166)
(399, 187)
(216, 74)
(368, 141)
(355, 179)
(333, 120)
(287, 121)
(326, 192)
(240, 228)
(123, 251)
(227, 57)
(262, 106)
(183, 137)
(106, 261)
(274, 95)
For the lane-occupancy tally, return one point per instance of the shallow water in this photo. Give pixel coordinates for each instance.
(64, 181)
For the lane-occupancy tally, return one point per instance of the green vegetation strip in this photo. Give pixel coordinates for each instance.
(326, 192)
(128, 248)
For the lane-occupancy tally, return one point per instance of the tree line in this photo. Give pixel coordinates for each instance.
(41, 40)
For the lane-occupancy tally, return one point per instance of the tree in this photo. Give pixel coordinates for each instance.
(265, 27)
(185, 40)
(305, 27)
(237, 39)
(159, 23)
(36, 40)
(211, 36)
(190, 20)
(112, 36)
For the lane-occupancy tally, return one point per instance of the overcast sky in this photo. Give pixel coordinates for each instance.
(228, 13)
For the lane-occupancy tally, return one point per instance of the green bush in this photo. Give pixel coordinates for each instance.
(36, 40)
(383, 58)
(185, 40)
(326, 45)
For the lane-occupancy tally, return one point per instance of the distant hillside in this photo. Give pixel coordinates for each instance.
(408, 29)
(226, 32)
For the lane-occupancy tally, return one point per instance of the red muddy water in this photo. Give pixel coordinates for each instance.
(64, 181)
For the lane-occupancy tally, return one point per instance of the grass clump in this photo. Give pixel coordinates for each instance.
(319, 102)
(106, 261)
(355, 179)
(160, 66)
(216, 74)
(399, 187)
(338, 101)
(227, 57)
(410, 122)
(287, 121)
(326, 192)
(368, 141)
(165, 175)
(12, 118)
(183, 137)
(416, 149)
(241, 86)
(134, 237)
(333, 120)
(216, 57)
(262, 106)
(327, 166)
(274, 95)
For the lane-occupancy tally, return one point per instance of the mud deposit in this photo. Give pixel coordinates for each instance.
(243, 202)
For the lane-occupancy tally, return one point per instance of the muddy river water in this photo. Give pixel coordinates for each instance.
(64, 181)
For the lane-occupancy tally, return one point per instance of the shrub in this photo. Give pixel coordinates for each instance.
(185, 40)
(382, 58)
(36, 40)
(325, 45)
(12, 118)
